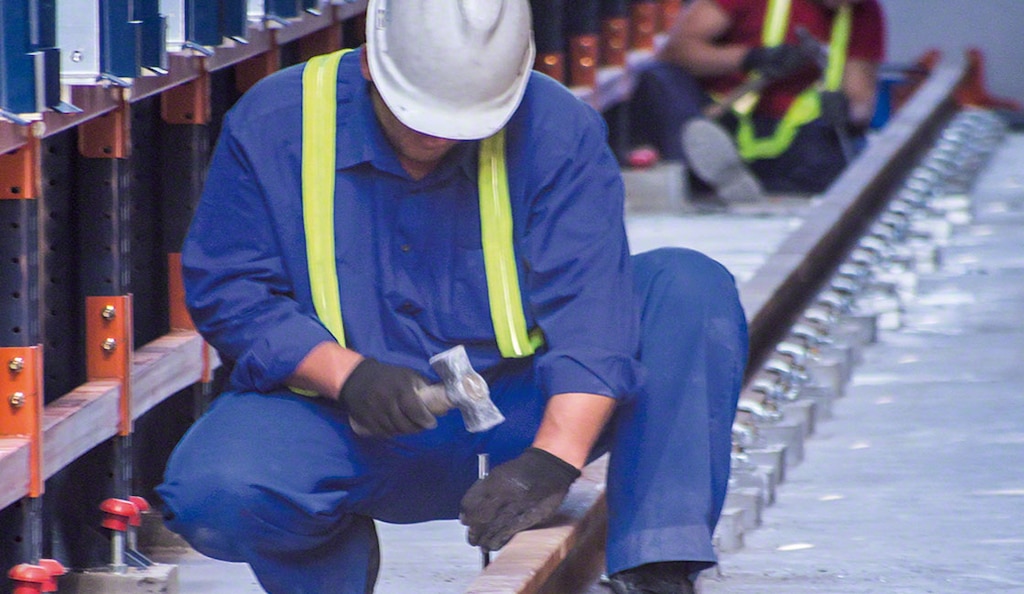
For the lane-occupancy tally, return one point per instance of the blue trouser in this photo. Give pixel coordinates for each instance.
(667, 96)
(281, 482)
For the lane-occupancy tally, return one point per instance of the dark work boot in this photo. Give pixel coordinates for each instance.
(654, 578)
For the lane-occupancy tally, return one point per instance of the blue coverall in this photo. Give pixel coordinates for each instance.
(281, 482)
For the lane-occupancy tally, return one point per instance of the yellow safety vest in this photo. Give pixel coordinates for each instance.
(806, 107)
(319, 106)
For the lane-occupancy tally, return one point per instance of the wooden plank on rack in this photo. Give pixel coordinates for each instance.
(77, 422)
(14, 465)
(164, 367)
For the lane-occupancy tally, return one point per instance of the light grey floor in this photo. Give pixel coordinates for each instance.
(916, 485)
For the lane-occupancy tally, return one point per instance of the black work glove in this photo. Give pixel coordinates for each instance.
(383, 400)
(515, 496)
(835, 109)
(778, 61)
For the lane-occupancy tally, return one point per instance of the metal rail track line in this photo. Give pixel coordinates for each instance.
(567, 555)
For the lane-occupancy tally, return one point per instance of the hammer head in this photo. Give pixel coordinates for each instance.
(466, 389)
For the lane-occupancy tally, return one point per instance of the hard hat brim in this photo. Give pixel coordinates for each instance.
(436, 117)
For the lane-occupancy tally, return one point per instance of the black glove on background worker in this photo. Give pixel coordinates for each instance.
(515, 496)
(382, 400)
(775, 62)
(835, 109)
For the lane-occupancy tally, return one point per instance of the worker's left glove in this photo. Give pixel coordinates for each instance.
(515, 496)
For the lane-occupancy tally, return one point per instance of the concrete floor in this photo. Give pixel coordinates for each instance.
(916, 485)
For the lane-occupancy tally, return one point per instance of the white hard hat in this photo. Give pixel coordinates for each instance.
(454, 69)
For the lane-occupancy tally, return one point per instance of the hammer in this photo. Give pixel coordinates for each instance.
(461, 387)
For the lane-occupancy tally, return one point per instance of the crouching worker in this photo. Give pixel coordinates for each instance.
(368, 210)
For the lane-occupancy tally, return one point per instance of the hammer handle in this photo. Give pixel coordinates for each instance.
(436, 399)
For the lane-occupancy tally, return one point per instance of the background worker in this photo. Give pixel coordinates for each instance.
(715, 46)
(642, 355)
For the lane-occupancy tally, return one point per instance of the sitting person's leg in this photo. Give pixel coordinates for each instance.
(671, 444)
(665, 97)
(813, 161)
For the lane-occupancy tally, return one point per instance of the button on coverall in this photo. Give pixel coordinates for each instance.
(281, 482)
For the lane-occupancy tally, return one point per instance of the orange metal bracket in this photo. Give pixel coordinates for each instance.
(644, 24)
(21, 411)
(669, 11)
(110, 349)
(614, 41)
(109, 135)
(249, 72)
(20, 171)
(323, 41)
(187, 103)
(551, 64)
(179, 316)
(583, 56)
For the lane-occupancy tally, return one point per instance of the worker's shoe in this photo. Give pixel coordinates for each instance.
(653, 578)
(712, 157)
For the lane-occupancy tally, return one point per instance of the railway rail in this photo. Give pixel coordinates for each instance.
(71, 188)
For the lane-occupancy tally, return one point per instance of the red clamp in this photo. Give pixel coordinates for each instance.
(55, 569)
(142, 506)
(118, 514)
(29, 579)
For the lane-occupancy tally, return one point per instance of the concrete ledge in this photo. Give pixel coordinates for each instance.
(156, 579)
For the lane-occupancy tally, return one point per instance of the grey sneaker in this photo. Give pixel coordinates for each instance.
(653, 578)
(711, 155)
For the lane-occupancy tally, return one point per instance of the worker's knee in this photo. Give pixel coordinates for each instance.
(227, 514)
(685, 278)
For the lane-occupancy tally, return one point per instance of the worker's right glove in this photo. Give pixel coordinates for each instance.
(382, 400)
(777, 61)
(515, 496)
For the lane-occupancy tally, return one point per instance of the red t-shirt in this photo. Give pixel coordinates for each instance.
(867, 42)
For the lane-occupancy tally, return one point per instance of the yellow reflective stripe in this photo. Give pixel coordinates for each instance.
(319, 105)
(776, 21)
(807, 106)
(773, 33)
(838, 47)
(499, 253)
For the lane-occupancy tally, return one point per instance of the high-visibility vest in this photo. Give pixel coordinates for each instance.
(806, 107)
(319, 106)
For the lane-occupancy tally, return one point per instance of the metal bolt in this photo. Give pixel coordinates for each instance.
(110, 345)
(109, 312)
(17, 399)
(16, 364)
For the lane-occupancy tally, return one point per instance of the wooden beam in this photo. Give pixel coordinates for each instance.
(166, 366)
(14, 475)
(79, 421)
